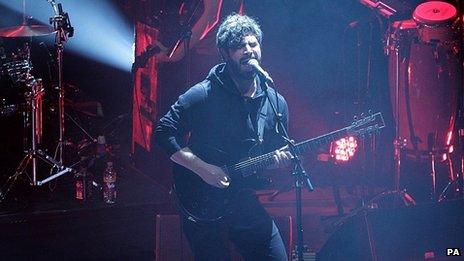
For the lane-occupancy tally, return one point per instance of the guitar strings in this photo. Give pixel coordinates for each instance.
(265, 157)
(250, 162)
(253, 161)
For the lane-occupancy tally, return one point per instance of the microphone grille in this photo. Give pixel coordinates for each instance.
(253, 62)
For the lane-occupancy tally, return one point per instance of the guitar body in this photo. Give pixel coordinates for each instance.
(201, 201)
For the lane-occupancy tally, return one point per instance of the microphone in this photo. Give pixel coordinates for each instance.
(260, 71)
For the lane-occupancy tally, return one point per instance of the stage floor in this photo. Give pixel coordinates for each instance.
(37, 224)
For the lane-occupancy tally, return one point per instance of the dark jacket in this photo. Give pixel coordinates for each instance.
(214, 113)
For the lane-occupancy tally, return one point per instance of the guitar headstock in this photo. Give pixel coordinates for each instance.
(367, 124)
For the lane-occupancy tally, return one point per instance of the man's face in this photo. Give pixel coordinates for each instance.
(238, 57)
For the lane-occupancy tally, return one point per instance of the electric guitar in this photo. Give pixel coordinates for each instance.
(203, 202)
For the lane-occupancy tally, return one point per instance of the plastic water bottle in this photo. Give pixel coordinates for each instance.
(109, 183)
(80, 186)
(83, 184)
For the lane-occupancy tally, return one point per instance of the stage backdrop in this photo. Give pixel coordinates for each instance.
(163, 41)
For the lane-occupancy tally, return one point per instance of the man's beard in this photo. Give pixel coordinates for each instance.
(235, 68)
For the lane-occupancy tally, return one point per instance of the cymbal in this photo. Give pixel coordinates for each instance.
(26, 31)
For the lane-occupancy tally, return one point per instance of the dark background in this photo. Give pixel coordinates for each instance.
(316, 51)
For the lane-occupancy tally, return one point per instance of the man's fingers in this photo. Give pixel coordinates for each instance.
(285, 156)
(218, 184)
(221, 184)
(288, 155)
(282, 157)
(224, 183)
(276, 159)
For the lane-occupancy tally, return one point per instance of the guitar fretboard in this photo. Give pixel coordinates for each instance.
(252, 165)
(363, 126)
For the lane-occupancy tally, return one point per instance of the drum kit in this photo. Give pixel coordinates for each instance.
(425, 73)
(23, 94)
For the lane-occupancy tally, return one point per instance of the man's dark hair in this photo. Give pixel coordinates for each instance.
(234, 28)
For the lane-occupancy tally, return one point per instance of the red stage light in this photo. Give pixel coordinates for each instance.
(343, 149)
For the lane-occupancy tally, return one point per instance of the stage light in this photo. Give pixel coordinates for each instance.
(101, 33)
(343, 149)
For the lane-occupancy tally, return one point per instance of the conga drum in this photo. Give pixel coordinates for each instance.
(423, 79)
(437, 22)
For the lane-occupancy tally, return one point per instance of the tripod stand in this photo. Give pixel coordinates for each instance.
(34, 102)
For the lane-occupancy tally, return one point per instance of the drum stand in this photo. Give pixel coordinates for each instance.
(34, 101)
(398, 143)
(457, 183)
(64, 30)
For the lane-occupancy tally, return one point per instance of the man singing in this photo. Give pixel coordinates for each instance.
(229, 111)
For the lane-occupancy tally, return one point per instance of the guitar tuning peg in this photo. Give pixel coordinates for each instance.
(362, 114)
(370, 112)
(355, 117)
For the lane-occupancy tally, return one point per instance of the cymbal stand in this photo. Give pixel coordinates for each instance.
(64, 30)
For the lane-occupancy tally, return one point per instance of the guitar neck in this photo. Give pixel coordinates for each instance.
(315, 143)
(253, 165)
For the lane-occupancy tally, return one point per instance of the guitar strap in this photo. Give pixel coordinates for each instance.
(257, 133)
(262, 115)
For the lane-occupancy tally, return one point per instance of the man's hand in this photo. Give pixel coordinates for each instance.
(213, 175)
(210, 174)
(282, 158)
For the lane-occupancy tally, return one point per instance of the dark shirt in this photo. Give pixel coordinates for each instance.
(215, 114)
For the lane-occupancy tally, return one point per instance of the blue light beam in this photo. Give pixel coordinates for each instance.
(101, 33)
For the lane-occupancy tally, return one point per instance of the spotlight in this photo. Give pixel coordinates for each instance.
(102, 33)
(343, 149)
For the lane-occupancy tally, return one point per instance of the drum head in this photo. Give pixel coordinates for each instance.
(434, 12)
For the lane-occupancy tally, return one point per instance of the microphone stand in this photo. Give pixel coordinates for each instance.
(185, 36)
(299, 174)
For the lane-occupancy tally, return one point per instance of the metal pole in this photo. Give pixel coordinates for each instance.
(59, 50)
(397, 142)
(299, 225)
(34, 137)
